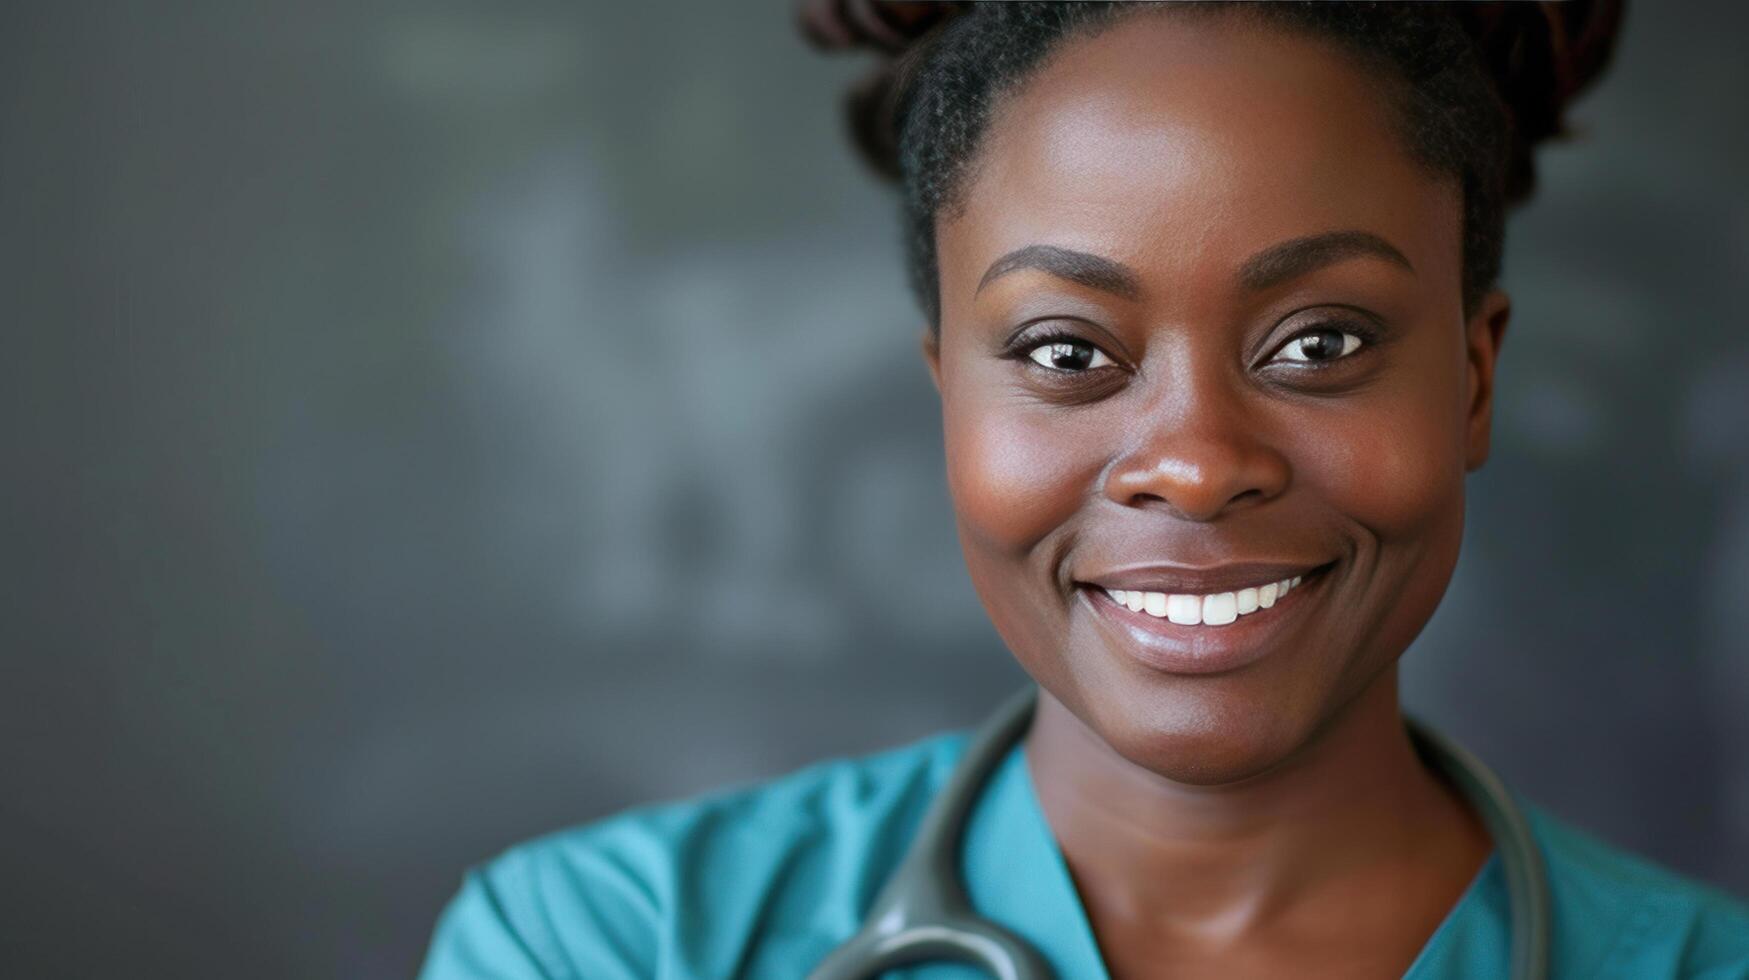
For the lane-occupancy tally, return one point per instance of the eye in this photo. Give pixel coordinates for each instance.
(1319, 345)
(1070, 355)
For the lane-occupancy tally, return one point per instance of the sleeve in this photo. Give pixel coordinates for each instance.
(1718, 944)
(547, 914)
(474, 940)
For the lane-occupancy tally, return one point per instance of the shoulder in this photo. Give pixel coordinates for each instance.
(690, 886)
(1617, 914)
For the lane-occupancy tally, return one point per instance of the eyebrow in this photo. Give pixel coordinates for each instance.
(1274, 265)
(1085, 268)
(1297, 256)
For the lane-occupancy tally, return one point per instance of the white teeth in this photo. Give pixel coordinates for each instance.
(1185, 610)
(1217, 609)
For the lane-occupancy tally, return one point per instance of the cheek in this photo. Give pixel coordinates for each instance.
(1014, 478)
(1393, 468)
(1018, 480)
(1395, 471)
(1393, 458)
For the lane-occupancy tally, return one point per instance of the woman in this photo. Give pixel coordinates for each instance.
(1213, 318)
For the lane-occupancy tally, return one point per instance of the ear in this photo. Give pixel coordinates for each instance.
(1482, 338)
(931, 343)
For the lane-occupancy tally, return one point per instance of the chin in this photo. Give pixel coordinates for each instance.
(1203, 734)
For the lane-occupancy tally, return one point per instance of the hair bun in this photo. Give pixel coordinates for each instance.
(1542, 56)
(885, 26)
(892, 29)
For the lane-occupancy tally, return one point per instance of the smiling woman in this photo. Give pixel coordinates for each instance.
(1212, 312)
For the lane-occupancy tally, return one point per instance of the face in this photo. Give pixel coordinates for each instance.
(1202, 331)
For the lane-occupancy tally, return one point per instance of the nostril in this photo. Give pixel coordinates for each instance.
(1198, 480)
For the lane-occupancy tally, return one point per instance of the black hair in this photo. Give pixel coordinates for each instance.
(1473, 87)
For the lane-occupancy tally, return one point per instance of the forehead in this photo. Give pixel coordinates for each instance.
(1180, 145)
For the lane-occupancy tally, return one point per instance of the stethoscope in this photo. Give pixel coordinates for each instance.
(923, 913)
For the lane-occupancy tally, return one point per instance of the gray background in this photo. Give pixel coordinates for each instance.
(429, 425)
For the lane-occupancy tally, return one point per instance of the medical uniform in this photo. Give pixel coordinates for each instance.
(765, 881)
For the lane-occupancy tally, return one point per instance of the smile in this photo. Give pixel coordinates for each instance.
(1210, 621)
(1214, 609)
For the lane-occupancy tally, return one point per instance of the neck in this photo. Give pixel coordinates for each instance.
(1351, 813)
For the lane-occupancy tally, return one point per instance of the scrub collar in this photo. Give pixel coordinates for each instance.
(1016, 875)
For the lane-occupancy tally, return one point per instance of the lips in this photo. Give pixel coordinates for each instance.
(1199, 621)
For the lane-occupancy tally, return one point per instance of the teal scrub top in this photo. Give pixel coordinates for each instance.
(763, 881)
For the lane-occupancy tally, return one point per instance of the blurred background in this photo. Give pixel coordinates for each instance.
(428, 425)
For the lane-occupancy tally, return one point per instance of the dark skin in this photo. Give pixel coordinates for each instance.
(1266, 816)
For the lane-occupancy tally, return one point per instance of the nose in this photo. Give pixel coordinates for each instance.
(1203, 455)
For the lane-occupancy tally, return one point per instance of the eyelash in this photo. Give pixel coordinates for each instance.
(1022, 347)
